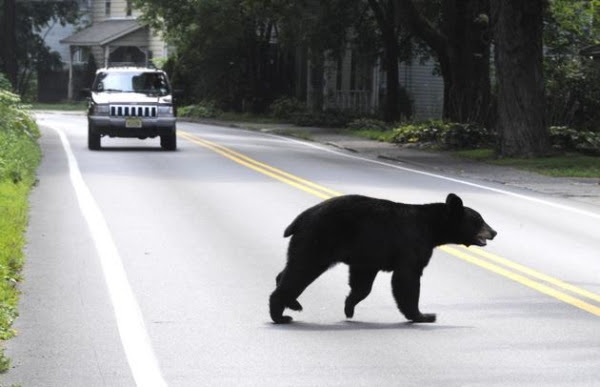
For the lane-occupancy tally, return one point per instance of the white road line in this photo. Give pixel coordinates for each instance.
(454, 180)
(130, 322)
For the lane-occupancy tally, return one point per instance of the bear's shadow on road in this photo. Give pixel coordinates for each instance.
(347, 325)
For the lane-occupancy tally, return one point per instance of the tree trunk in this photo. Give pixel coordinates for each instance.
(317, 69)
(462, 46)
(521, 102)
(391, 108)
(385, 15)
(465, 61)
(9, 42)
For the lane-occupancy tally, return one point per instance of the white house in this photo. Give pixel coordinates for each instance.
(114, 35)
(358, 84)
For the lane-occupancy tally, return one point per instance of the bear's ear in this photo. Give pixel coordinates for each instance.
(454, 204)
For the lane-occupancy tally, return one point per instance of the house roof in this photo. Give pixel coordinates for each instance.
(102, 33)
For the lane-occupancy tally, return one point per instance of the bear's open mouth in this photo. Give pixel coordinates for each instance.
(483, 236)
(480, 241)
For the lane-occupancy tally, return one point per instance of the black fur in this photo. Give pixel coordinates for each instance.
(370, 235)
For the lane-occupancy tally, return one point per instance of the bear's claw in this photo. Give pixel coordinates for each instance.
(349, 310)
(424, 318)
(295, 305)
(282, 320)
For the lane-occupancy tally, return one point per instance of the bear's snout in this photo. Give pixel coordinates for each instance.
(486, 233)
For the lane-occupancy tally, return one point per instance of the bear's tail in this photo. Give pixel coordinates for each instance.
(295, 225)
(304, 220)
(291, 229)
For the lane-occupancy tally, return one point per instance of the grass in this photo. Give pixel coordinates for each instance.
(13, 221)
(62, 106)
(373, 134)
(563, 165)
(19, 157)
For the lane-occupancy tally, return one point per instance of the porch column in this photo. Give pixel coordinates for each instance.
(106, 55)
(375, 87)
(146, 53)
(70, 86)
(309, 88)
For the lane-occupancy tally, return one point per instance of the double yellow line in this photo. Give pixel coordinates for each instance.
(531, 278)
(277, 174)
(524, 275)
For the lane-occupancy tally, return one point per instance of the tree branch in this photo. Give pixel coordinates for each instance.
(379, 14)
(422, 27)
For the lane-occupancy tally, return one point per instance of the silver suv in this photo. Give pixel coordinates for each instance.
(131, 102)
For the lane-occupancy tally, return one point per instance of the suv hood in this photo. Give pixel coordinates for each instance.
(129, 98)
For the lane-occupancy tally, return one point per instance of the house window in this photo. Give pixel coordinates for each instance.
(78, 55)
(107, 8)
(128, 8)
(81, 55)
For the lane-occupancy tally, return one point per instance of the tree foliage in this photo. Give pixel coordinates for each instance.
(572, 92)
(571, 25)
(227, 48)
(22, 49)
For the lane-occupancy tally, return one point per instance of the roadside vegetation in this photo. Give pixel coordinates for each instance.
(575, 152)
(19, 158)
(568, 164)
(61, 106)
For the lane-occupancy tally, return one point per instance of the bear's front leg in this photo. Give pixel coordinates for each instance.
(406, 287)
(361, 282)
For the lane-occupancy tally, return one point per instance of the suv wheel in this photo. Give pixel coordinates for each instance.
(93, 138)
(169, 141)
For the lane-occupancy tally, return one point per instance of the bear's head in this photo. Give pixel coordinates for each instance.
(467, 226)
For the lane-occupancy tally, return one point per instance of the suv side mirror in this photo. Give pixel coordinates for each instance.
(86, 92)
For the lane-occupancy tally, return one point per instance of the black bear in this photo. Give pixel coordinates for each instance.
(370, 235)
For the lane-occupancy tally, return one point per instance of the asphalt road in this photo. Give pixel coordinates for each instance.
(155, 268)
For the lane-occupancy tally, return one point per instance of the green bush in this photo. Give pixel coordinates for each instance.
(444, 135)
(572, 92)
(419, 132)
(18, 135)
(204, 109)
(568, 139)
(466, 136)
(286, 107)
(4, 83)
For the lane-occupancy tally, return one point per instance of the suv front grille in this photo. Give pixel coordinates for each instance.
(132, 111)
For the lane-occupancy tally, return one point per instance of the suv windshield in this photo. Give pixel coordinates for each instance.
(154, 83)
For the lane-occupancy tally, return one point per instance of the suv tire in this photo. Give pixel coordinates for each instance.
(93, 138)
(169, 141)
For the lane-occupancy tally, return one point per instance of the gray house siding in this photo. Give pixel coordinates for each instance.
(425, 89)
(357, 85)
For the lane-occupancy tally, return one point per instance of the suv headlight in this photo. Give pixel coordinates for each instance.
(100, 110)
(165, 110)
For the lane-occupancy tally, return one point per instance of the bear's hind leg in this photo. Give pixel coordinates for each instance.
(293, 305)
(361, 282)
(406, 287)
(291, 284)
